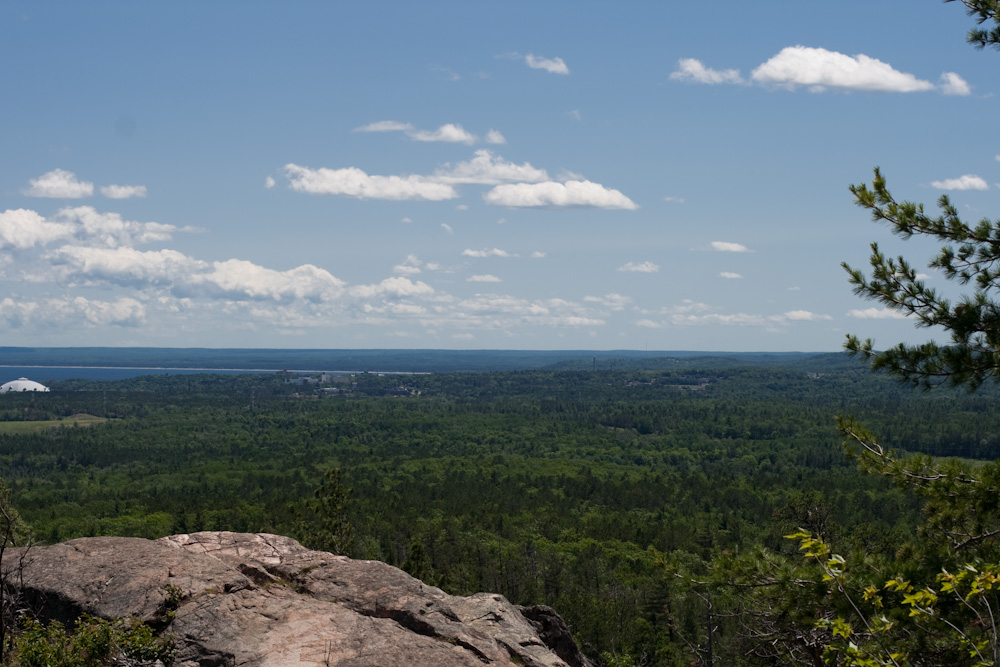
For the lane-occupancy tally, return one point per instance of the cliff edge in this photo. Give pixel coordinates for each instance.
(261, 600)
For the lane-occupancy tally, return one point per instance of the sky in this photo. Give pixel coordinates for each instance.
(475, 175)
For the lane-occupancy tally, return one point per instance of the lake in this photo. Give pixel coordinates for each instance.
(45, 374)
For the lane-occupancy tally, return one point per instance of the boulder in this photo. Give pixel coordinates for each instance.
(264, 600)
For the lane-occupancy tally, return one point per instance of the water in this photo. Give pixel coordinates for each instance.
(45, 374)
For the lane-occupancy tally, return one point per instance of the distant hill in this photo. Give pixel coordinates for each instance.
(383, 360)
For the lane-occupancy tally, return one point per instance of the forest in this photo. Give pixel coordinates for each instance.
(621, 498)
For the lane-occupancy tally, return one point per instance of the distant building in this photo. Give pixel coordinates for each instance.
(22, 384)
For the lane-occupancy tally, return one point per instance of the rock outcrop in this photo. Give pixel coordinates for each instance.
(262, 600)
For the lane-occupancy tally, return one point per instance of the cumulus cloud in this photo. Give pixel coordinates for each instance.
(449, 133)
(406, 269)
(409, 266)
(728, 274)
(23, 228)
(269, 182)
(644, 267)
(486, 169)
(876, 314)
(447, 228)
(110, 229)
(483, 278)
(125, 311)
(551, 65)
(538, 254)
(966, 182)
(725, 246)
(550, 194)
(123, 191)
(59, 184)
(126, 266)
(495, 252)
(353, 182)
(494, 137)
(399, 286)
(693, 71)
(243, 279)
(820, 69)
(953, 84)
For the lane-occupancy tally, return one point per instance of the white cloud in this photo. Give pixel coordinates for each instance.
(127, 266)
(123, 191)
(447, 228)
(483, 278)
(110, 229)
(244, 279)
(384, 126)
(23, 228)
(463, 336)
(613, 301)
(820, 69)
(552, 194)
(449, 133)
(649, 324)
(691, 70)
(269, 182)
(953, 84)
(495, 252)
(398, 286)
(734, 319)
(462, 207)
(188, 277)
(59, 184)
(725, 246)
(574, 114)
(405, 220)
(644, 267)
(353, 182)
(485, 169)
(727, 274)
(966, 182)
(552, 65)
(409, 266)
(538, 254)
(676, 200)
(125, 311)
(802, 316)
(876, 314)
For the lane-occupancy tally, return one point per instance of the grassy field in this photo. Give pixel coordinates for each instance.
(36, 426)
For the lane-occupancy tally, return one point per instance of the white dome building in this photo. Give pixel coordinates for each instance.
(22, 384)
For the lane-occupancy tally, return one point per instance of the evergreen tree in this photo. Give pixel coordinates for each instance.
(971, 254)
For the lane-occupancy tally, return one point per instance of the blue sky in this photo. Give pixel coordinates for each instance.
(524, 175)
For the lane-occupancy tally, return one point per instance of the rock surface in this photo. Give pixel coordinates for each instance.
(265, 600)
